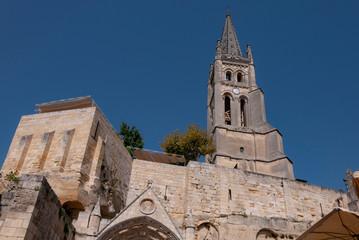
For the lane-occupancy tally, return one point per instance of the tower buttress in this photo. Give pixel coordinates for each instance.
(236, 116)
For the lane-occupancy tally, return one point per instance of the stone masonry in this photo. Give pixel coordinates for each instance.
(246, 190)
(33, 211)
(81, 156)
(238, 203)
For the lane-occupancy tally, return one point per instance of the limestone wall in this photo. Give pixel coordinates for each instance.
(233, 191)
(32, 211)
(81, 156)
(235, 201)
(52, 144)
(168, 182)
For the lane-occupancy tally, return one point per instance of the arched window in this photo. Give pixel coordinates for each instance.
(239, 77)
(228, 76)
(243, 113)
(227, 110)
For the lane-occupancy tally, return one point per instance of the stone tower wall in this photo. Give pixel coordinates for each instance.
(80, 154)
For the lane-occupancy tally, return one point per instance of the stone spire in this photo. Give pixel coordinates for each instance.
(229, 42)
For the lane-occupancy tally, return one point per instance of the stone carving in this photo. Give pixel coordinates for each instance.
(139, 228)
(147, 206)
(207, 231)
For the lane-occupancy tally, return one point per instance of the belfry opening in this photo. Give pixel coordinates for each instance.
(243, 113)
(227, 110)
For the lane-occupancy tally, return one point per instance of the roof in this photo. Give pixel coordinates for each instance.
(229, 41)
(65, 104)
(338, 224)
(160, 157)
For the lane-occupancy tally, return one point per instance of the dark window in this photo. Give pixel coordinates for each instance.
(227, 110)
(243, 113)
(228, 76)
(229, 194)
(239, 77)
(241, 149)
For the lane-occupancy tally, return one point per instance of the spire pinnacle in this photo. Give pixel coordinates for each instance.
(249, 53)
(229, 41)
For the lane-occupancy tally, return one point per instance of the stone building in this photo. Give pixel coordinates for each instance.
(77, 176)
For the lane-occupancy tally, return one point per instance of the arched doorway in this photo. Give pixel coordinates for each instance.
(139, 228)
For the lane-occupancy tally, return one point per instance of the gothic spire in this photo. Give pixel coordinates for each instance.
(229, 41)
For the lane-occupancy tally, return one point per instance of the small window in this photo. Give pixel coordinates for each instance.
(239, 77)
(229, 194)
(228, 76)
(241, 149)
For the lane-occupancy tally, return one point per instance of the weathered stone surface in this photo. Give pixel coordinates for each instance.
(81, 156)
(33, 211)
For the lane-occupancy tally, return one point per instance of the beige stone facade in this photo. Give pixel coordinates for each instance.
(96, 190)
(104, 191)
(81, 156)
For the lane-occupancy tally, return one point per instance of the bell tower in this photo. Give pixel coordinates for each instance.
(236, 117)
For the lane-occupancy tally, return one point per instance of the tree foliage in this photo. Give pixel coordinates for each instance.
(193, 143)
(131, 137)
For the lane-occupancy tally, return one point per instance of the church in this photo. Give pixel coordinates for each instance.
(78, 181)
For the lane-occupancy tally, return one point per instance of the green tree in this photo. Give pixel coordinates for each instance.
(131, 137)
(193, 143)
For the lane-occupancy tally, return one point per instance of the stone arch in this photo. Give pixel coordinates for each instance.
(73, 208)
(266, 234)
(239, 76)
(143, 227)
(207, 231)
(229, 94)
(228, 73)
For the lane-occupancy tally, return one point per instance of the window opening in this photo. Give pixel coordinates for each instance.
(243, 113)
(227, 110)
(236, 167)
(228, 76)
(241, 149)
(229, 194)
(239, 77)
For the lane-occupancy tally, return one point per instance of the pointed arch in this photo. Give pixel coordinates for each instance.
(143, 227)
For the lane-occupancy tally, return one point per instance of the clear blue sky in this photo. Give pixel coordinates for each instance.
(147, 63)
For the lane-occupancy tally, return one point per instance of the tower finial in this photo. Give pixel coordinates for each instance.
(228, 12)
(249, 52)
